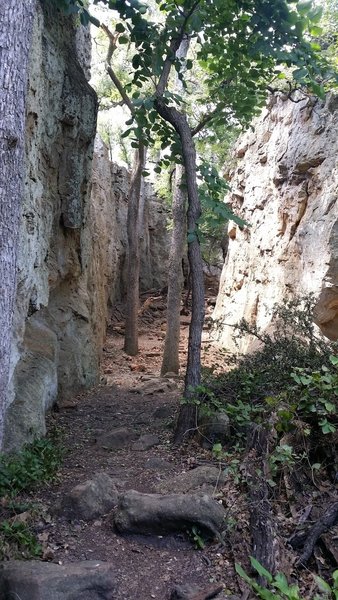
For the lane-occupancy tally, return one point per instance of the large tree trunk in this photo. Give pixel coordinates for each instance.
(16, 18)
(186, 423)
(133, 270)
(171, 361)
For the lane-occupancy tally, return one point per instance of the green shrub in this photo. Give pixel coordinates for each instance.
(293, 372)
(278, 588)
(21, 539)
(35, 463)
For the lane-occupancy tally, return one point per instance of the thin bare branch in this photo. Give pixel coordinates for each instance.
(112, 46)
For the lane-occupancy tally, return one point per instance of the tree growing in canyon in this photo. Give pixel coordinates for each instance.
(238, 45)
(16, 17)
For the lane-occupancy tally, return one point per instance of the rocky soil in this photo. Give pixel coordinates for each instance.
(117, 437)
(130, 517)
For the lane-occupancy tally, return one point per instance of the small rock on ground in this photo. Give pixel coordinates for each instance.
(201, 478)
(146, 441)
(163, 412)
(214, 429)
(155, 387)
(34, 580)
(116, 439)
(156, 463)
(90, 499)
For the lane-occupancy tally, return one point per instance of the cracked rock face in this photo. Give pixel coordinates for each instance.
(285, 185)
(72, 241)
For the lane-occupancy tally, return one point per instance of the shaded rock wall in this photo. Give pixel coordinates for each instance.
(285, 184)
(72, 240)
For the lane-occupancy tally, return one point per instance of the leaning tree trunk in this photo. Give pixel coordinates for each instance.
(186, 423)
(133, 269)
(16, 18)
(170, 360)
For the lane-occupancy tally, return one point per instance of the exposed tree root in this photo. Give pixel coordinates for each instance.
(329, 518)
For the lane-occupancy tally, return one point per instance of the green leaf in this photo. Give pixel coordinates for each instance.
(120, 28)
(123, 39)
(323, 586)
(299, 74)
(242, 573)
(260, 569)
(94, 21)
(84, 18)
(316, 31)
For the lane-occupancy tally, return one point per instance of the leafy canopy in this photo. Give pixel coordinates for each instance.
(239, 47)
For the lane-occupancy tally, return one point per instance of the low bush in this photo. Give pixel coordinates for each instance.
(35, 463)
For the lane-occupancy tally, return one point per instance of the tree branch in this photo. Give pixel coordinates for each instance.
(206, 119)
(174, 46)
(112, 46)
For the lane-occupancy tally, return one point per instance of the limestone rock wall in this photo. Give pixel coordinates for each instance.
(285, 184)
(72, 239)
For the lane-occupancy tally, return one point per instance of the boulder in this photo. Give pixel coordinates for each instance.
(90, 499)
(157, 514)
(34, 580)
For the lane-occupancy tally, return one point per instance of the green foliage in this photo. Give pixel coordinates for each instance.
(34, 464)
(278, 588)
(235, 49)
(21, 539)
(282, 457)
(317, 393)
(327, 33)
(196, 537)
(79, 8)
(328, 591)
(203, 397)
(291, 380)
(293, 343)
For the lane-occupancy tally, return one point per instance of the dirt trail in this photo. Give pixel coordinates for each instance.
(149, 566)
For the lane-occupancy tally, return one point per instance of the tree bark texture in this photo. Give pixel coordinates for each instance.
(171, 361)
(16, 19)
(133, 269)
(262, 523)
(187, 418)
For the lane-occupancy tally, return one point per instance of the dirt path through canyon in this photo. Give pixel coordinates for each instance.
(123, 428)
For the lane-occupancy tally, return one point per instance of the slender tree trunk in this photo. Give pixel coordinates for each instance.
(171, 361)
(133, 270)
(187, 417)
(16, 18)
(171, 358)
